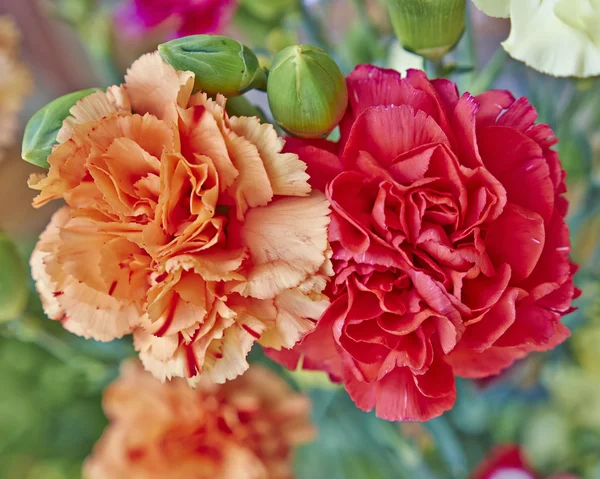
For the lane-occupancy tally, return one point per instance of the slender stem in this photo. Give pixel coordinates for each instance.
(313, 28)
(364, 18)
(434, 68)
(489, 73)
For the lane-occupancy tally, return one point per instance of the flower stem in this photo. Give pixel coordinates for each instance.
(313, 28)
(489, 73)
(364, 18)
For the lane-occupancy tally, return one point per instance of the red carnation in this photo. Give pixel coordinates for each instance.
(507, 462)
(450, 248)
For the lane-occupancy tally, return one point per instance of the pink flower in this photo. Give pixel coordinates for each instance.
(187, 17)
(450, 248)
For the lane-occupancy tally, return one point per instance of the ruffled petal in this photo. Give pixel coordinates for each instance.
(286, 240)
(155, 87)
(286, 171)
(94, 107)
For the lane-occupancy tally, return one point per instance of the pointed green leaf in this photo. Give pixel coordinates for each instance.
(43, 126)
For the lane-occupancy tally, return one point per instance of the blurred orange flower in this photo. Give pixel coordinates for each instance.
(183, 226)
(245, 429)
(15, 82)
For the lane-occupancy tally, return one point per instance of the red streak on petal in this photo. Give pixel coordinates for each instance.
(218, 355)
(58, 293)
(135, 454)
(223, 426)
(192, 364)
(168, 320)
(197, 113)
(251, 331)
(161, 277)
(112, 288)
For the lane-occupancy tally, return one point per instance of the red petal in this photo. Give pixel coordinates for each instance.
(491, 104)
(387, 132)
(517, 238)
(322, 165)
(493, 324)
(519, 164)
(468, 363)
(396, 397)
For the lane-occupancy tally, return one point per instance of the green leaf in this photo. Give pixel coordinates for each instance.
(43, 127)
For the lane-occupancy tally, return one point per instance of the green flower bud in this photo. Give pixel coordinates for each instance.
(307, 91)
(13, 280)
(43, 126)
(221, 64)
(430, 28)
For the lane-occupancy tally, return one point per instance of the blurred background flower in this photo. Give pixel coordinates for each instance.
(15, 82)
(246, 428)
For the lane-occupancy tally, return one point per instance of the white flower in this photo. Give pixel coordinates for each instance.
(558, 37)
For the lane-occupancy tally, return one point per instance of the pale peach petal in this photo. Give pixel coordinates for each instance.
(287, 240)
(44, 284)
(236, 344)
(82, 309)
(297, 314)
(94, 107)
(151, 349)
(155, 87)
(214, 265)
(252, 187)
(286, 172)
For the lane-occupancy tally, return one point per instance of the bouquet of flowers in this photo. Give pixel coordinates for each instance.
(275, 238)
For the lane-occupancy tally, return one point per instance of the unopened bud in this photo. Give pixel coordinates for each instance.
(307, 91)
(430, 28)
(220, 64)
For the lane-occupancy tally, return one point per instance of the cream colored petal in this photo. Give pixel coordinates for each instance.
(96, 315)
(494, 8)
(82, 309)
(44, 284)
(235, 346)
(214, 265)
(287, 241)
(286, 172)
(94, 107)
(155, 87)
(557, 37)
(148, 346)
(297, 314)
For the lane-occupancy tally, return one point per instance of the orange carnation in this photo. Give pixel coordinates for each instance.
(183, 226)
(244, 429)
